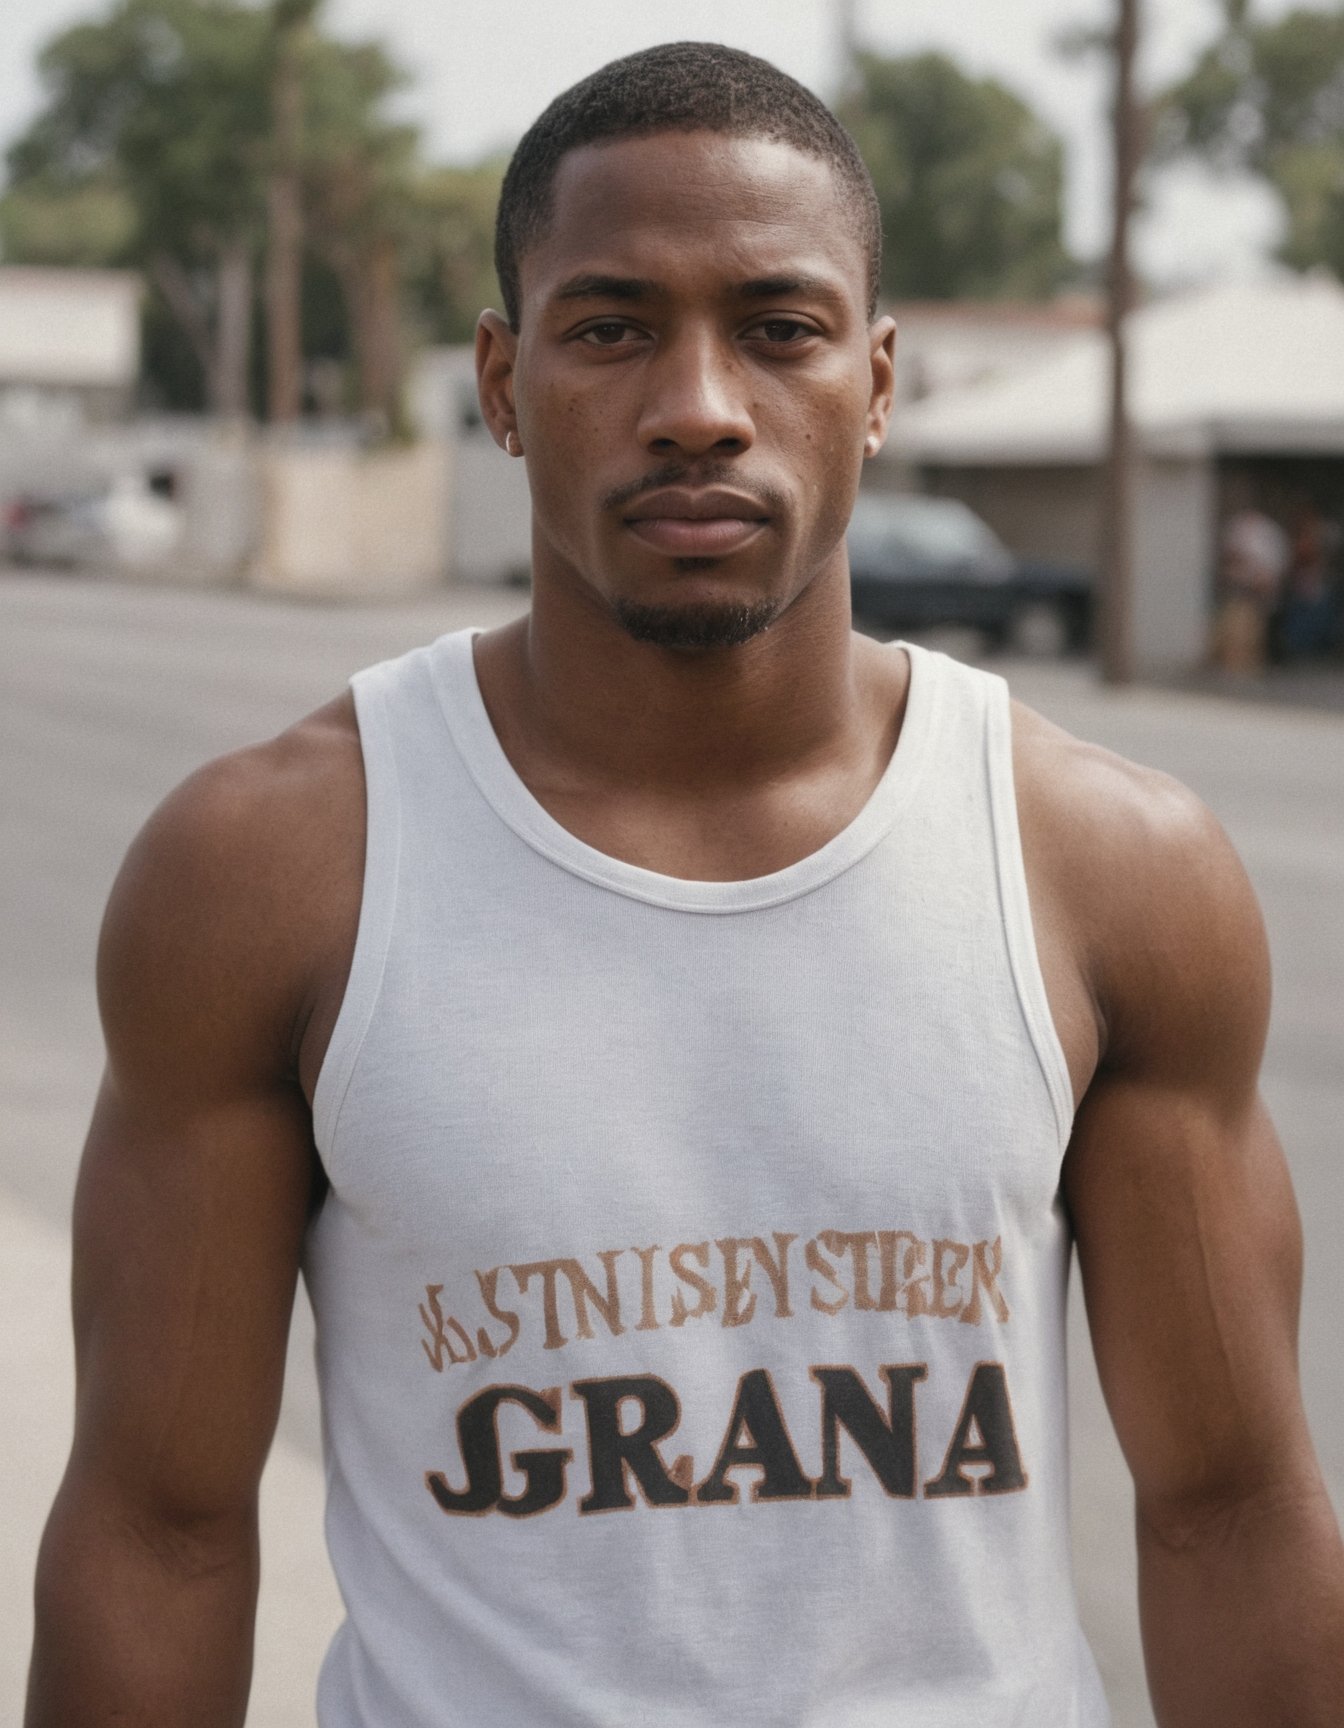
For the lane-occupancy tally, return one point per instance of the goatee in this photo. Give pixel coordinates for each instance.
(698, 627)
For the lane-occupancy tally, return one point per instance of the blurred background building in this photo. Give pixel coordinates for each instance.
(1234, 385)
(237, 289)
(69, 344)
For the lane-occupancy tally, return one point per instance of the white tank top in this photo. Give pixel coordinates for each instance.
(690, 1290)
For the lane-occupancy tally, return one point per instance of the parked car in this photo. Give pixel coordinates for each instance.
(60, 529)
(916, 562)
(129, 523)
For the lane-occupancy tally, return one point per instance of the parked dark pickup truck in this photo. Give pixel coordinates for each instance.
(916, 562)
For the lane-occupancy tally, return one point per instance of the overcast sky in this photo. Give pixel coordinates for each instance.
(483, 68)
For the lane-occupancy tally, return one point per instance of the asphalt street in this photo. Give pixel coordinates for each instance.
(109, 694)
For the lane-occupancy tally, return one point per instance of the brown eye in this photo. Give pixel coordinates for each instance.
(606, 335)
(782, 330)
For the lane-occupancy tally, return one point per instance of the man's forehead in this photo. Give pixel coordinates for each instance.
(692, 177)
(760, 208)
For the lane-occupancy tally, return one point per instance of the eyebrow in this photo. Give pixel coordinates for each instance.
(598, 287)
(593, 287)
(780, 287)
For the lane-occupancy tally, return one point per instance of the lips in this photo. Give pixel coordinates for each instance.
(704, 524)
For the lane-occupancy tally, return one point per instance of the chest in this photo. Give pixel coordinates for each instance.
(559, 1079)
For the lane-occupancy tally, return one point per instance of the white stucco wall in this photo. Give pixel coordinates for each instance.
(489, 506)
(492, 514)
(1174, 535)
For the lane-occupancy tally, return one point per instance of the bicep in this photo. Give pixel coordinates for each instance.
(1188, 1236)
(194, 1187)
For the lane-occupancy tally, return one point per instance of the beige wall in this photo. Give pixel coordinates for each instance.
(347, 524)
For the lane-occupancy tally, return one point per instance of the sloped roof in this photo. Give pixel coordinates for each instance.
(72, 328)
(1248, 367)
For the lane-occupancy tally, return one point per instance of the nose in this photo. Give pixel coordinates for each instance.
(696, 398)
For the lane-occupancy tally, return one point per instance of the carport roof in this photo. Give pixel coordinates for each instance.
(1241, 368)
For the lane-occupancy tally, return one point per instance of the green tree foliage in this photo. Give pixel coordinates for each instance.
(164, 101)
(1268, 98)
(42, 222)
(450, 262)
(357, 170)
(969, 179)
(168, 95)
(158, 146)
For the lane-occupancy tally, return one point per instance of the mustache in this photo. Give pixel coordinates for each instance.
(695, 474)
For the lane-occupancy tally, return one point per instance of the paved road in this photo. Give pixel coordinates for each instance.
(109, 694)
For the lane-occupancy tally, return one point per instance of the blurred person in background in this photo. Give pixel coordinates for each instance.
(1254, 559)
(681, 1041)
(1308, 620)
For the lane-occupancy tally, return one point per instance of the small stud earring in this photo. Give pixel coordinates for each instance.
(870, 446)
(512, 445)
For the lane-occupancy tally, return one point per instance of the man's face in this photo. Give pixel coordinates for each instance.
(694, 381)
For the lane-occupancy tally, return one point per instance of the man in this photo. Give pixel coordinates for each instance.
(658, 1027)
(1255, 555)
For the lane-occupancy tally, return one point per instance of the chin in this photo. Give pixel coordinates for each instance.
(696, 624)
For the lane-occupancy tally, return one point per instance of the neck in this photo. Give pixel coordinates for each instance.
(575, 699)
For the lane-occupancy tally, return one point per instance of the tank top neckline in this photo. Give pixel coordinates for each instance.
(453, 670)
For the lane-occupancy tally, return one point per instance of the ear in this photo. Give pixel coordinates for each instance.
(496, 350)
(882, 353)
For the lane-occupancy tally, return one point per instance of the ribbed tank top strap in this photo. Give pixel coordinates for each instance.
(967, 833)
(1015, 904)
(373, 690)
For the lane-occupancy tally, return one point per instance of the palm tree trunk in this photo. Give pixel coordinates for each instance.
(369, 279)
(233, 331)
(284, 249)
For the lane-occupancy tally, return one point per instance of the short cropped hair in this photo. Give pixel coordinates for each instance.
(677, 87)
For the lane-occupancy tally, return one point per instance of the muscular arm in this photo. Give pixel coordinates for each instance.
(189, 1214)
(1190, 1251)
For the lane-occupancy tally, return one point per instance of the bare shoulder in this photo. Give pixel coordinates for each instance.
(1102, 812)
(236, 897)
(1148, 890)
